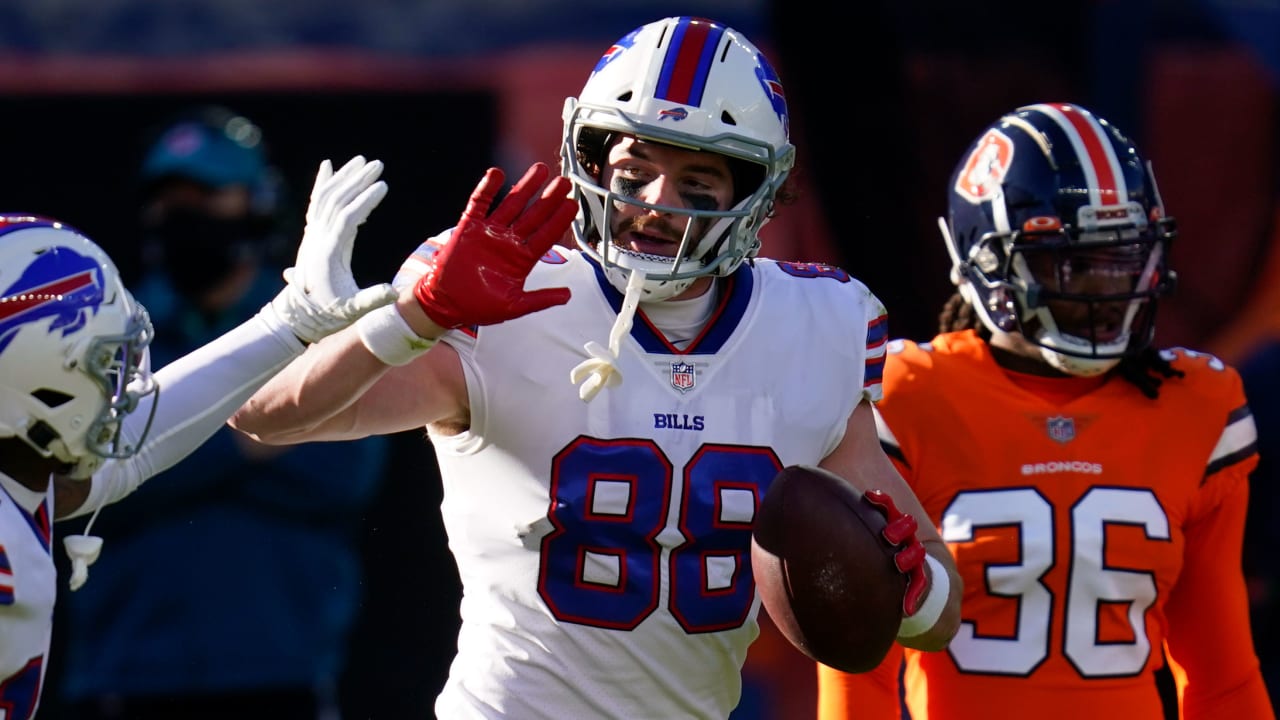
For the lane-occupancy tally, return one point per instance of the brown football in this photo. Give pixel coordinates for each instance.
(825, 575)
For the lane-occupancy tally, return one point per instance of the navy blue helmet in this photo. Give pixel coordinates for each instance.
(1056, 230)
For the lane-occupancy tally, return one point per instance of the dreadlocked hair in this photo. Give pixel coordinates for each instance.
(958, 315)
(1146, 370)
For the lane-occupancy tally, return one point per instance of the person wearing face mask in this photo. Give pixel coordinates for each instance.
(209, 201)
(233, 585)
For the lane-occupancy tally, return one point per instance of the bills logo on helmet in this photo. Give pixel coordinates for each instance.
(985, 170)
(615, 50)
(60, 283)
(676, 114)
(773, 90)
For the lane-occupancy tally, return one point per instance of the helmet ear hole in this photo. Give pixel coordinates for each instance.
(41, 435)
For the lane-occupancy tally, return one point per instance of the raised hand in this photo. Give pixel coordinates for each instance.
(322, 296)
(478, 277)
(900, 532)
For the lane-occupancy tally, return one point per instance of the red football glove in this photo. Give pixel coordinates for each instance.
(478, 277)
(900, 532)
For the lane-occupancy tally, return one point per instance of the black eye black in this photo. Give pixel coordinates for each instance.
(627, 187)
(700, 201)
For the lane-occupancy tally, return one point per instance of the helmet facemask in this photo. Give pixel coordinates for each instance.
(1086, 298)
(121, 367)
(713, 243)
(114, 378)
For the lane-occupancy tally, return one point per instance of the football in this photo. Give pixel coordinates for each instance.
(825, 575)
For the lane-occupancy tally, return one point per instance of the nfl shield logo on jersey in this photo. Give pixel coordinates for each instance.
(1061, 429)
(682, 376)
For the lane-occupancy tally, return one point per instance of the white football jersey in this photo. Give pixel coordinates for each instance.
(28, 587)
(604, 547)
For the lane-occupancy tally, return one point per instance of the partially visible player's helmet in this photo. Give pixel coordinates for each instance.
(73, 345)
(695, 84)
(1056, 230)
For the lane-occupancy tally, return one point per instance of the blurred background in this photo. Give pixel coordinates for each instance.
(884, 96)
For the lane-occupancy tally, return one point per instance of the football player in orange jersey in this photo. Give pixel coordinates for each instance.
(1091, 487)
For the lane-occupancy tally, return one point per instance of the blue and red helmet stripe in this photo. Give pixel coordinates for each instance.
(683, 78)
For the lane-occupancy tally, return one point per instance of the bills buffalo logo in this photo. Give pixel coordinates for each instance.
(61, 284)
(683, 376)
(1061, 429)
(676, 114)
(984, 172)
(773, 89)
(615, 50)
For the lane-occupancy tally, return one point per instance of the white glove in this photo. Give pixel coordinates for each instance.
(322, 297)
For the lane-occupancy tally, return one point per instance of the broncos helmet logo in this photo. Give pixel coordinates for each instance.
(60, 283)
(985, 170)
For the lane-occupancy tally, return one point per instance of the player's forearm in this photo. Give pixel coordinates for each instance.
(308, 399)
(860, 460)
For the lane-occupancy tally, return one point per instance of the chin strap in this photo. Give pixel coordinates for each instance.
(600, 370)
(83, 551)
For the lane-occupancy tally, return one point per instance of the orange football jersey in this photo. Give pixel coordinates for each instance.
(1094, 528)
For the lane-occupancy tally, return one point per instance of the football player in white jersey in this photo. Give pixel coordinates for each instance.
(83, 421)
(607, 417)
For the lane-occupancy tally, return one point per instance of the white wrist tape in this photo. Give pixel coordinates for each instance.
(386, 334)
(927, 616)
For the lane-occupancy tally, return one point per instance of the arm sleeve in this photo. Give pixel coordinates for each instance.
(198, 393)
(1209, 637)
(871, 695)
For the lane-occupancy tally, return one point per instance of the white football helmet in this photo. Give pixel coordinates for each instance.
(695, 84)
(73, 346)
